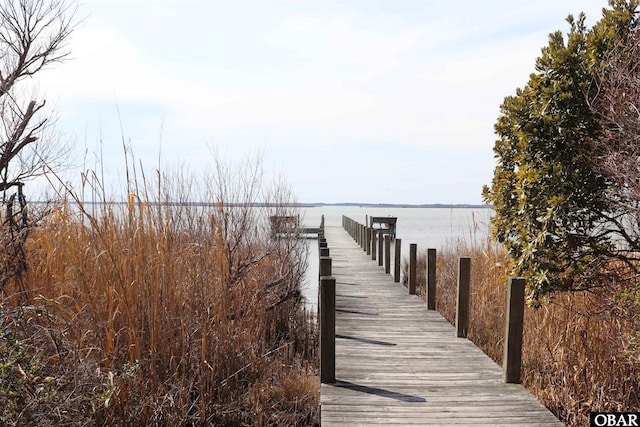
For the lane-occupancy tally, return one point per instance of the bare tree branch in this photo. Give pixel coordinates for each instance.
(33, 36)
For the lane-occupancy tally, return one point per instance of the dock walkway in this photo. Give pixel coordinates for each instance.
(398, 363)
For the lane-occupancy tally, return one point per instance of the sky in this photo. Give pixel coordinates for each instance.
(365, 101)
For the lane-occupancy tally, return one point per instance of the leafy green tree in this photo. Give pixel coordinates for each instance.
(551, 209)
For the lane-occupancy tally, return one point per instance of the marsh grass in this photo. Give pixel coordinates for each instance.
(151, 312)
(580, 350)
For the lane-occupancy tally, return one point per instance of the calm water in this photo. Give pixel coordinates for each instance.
(427, 227)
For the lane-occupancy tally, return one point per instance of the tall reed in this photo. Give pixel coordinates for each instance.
(155, 312)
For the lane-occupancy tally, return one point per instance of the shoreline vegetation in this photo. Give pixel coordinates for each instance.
(153, 313)
(581, 349)
(144, 312)
(293, 205)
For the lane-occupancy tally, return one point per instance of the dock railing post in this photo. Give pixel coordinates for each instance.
(462, 305)
(413, 259)
(325, 265)
(514, 317)
(373, 244)
(327, 329)
(387, 254)
(396, 260)
(367, 234)
(380, 250)
(323, 270)
(431, 279)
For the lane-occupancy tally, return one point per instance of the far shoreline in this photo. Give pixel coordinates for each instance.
(397, 205)
(293, 205)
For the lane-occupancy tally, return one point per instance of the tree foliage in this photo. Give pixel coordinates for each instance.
(552, 212)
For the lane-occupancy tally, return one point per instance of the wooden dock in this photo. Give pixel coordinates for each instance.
(398, 363)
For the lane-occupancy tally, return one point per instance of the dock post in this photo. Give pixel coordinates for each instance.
(364, 237)
(367, 235)
(321, 228)
(373, 244)
(380, 250)
(431, 279)
(325, 266)
(413, 259)
(387, 254)
(462, 305)
(514, 315)
(323, 270)
(396, 260)
(327, 329)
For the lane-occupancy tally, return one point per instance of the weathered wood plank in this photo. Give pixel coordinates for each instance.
(398, 363)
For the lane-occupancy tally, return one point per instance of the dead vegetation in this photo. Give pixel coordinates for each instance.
(152, 312)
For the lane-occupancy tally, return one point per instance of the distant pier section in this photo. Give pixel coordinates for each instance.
(288, 226)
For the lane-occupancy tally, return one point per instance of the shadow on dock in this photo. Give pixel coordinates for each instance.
(379, 392)
(367, 341)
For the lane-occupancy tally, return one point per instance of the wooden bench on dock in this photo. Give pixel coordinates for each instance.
(384, 225)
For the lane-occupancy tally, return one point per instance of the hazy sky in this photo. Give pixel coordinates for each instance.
(364, 101)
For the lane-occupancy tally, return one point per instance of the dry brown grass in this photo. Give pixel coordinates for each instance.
(580, 349)
(146, 313)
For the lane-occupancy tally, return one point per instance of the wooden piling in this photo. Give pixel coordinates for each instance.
(387, 254)
(462, 304)
(373, 244)
(413, 260)
(325, 266)
(396, 260)
(431, 279)
(367, 234)
(514, 318)
(327, 329)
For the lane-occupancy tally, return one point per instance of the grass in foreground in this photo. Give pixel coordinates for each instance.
(151, 314)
